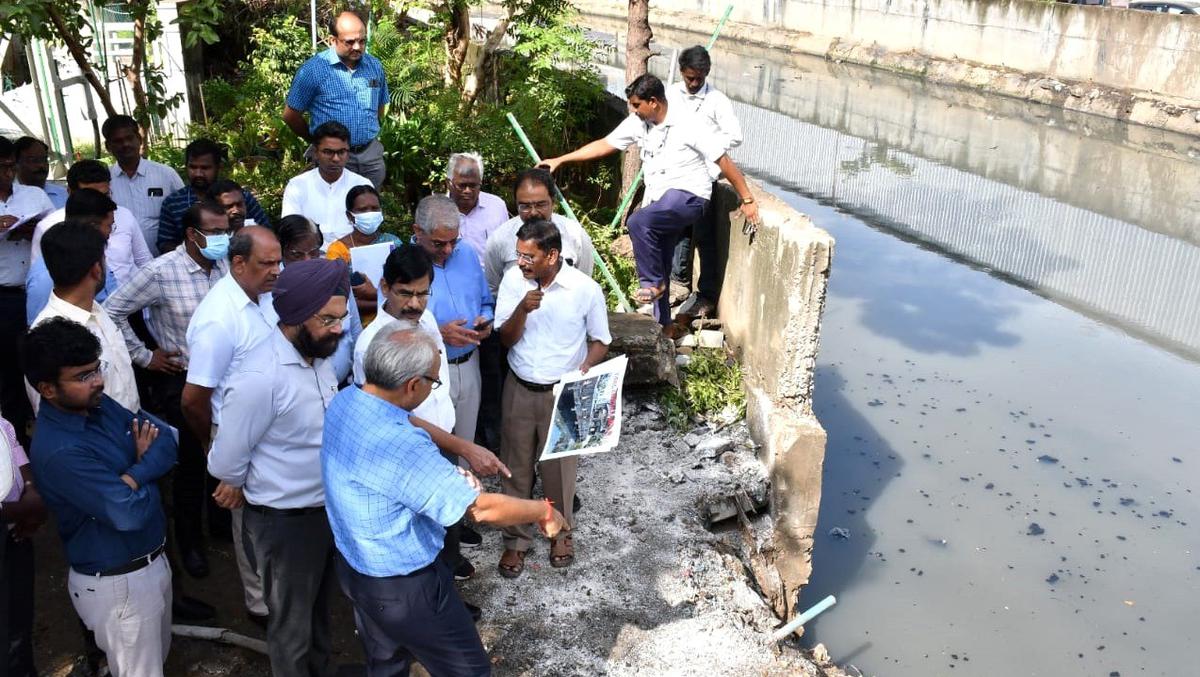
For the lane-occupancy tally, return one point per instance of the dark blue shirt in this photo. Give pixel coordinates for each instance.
(78, 462)
(170, 218)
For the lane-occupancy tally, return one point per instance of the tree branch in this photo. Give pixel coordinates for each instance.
(75, 47)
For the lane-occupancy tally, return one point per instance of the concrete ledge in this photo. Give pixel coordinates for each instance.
(1126, 65)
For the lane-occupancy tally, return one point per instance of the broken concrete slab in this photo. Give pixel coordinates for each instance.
(651, 355)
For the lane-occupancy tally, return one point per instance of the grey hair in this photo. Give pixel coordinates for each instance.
(400, 352)
(437, 210)
(458, 158)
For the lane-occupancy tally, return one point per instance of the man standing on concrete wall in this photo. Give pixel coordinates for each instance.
(695, 94)
(343, 84)
(676, 149)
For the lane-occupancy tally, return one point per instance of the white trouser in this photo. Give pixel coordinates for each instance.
(130, 615)
(465, 386)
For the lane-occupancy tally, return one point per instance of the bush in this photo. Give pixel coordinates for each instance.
(710, 386)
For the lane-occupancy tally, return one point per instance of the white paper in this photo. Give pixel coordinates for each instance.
(369, 259)
(587, 411)
(26, 219)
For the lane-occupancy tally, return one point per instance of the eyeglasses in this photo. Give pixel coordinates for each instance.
(434, 383)
(354, 41)
(314, 253)
(526, 207)
(474, 185)
(445, 244)
(334, 152)
(90, 375)
(408, 295)
(327, 321)
(524, 258)
(206, 233)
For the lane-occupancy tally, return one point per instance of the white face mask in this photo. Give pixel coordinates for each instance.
(368, 223)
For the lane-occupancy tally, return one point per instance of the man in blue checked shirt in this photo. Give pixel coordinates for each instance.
(343, 84)
(390, 495)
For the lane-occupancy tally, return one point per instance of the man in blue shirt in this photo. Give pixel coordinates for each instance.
(85, 205)
(390, 495)
(202, 159)
(461, 302)
(343, 84)
(96, 465)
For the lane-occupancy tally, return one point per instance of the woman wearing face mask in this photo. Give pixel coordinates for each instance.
(364, 213)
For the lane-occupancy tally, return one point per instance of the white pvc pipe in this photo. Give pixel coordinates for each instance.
(803, 618)
(219, 635)
(312, 5)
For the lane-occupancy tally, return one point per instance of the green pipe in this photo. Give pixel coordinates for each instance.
(637, 179)
(622, 304)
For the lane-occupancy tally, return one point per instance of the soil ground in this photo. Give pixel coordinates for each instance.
(652, 591)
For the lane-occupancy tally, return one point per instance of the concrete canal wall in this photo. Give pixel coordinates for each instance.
(1122, 64)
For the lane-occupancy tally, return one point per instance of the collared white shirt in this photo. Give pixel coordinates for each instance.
(269, 440)
(477, 226)
(675, 153)
(115, 364)
(225, 328)
(712, 106)
(438, 408)
(56, 193)
(501, 251)
(322, 202)
(557, 333)
(125, 253)
(24, 202)
(143, 194)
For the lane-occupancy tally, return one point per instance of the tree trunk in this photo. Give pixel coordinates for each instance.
(457, 40)
(637, 58)
(75, 47)
(483, 71)
(133, 72)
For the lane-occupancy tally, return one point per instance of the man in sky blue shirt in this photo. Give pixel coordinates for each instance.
(96, 465)
(343, 84)
(461, 302)
(390, 495)
(87, 205)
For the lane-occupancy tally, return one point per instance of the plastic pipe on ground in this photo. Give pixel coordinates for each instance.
(803, 618)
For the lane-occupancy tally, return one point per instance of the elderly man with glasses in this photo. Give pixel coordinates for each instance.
(269, 447)
(482, 213)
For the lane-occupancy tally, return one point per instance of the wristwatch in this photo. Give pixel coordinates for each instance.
(747, 200)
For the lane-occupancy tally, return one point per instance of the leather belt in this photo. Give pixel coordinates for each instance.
(283, 512)
(360, 148)
(535, 387)
(461, 358)
(132, 565)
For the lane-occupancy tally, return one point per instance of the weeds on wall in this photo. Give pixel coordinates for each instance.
(710, 389)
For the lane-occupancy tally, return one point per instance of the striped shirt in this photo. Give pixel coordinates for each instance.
(170, 219)
(328, 90)
(171, 286)
(389, 493)
(143, 194)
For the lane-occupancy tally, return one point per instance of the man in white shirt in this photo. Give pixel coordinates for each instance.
(694, 93)
(534, 194)
(320, 193)
(481, 212)
(33, 168)
(127, 250)
(74, 255)
(232, 320)
(676, 150)
(18, 205)
(137, 183)
(268, 448)
(553, 319)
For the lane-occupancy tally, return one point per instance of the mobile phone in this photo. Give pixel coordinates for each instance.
(483, 325)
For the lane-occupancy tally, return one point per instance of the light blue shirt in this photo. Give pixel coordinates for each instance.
(327, 90)
(389, 493)
(38, 287)
(460, 292)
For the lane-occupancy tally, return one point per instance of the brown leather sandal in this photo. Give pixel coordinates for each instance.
(562, 552)
(512, 563)
(646, 295)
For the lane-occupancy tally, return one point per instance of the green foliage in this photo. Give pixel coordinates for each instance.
(710, 387)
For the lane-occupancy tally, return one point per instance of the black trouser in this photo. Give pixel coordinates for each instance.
(16, 606)
(13, 400)
(293, 551)
(415, 616)
(190, 483)
(493, 367)
(451, 548)
(704, 236)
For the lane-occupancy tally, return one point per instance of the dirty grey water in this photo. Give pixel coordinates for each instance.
(1008, 371)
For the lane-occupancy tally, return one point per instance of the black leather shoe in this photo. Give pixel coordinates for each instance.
(464, 571)
(259, 620)
(576, 504)
(468, 537)
(476, 612)
(195, 563)
(184, 608)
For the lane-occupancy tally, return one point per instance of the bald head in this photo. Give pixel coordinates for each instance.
(349, 35)
(254, 256)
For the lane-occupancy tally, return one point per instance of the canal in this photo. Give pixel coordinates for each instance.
(1009, 371)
